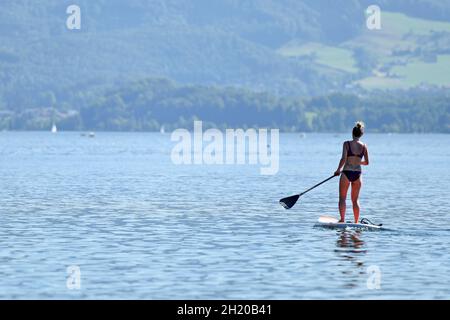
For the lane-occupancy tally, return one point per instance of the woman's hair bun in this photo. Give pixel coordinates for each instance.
(358, 130)
(360, 124)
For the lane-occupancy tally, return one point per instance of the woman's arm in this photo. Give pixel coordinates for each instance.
(342, 161)
(366, 157)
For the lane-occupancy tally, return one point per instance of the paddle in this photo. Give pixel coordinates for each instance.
(289, 202)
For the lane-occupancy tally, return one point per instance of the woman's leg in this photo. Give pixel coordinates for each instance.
(356, 186)
(343, 188)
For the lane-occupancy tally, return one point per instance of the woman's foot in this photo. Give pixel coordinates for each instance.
(341, 221)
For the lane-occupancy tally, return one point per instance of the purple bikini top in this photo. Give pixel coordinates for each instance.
(351, 154)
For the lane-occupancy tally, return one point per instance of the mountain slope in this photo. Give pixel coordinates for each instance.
(286, 47)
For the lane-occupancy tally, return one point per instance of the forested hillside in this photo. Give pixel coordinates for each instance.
(279, 49)
(151, 104)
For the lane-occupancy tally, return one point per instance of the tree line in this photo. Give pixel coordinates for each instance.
(150, 104)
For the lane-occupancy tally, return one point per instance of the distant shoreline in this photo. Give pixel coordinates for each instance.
(86, 132)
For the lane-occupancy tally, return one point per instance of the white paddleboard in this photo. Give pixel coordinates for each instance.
(333, 223)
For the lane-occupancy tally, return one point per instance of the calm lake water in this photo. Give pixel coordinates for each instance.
(141, 227)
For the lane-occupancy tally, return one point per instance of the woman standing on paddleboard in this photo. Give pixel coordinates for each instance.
(353, 153)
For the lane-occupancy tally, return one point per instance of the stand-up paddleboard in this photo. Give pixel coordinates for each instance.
(333, 223)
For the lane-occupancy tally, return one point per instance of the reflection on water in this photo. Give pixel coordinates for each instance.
(350, 249)
(350, 240)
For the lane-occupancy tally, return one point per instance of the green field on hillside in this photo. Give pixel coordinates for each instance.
(402, 33)
(399, 33)
(333, 57)
(402, 24)
(418, 72)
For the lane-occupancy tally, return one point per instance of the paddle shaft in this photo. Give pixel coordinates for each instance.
(317, 185)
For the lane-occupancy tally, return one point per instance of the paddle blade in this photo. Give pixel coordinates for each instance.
(289, 202)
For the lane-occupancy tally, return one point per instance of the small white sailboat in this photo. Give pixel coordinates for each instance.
(54, 129)
(162, 130)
